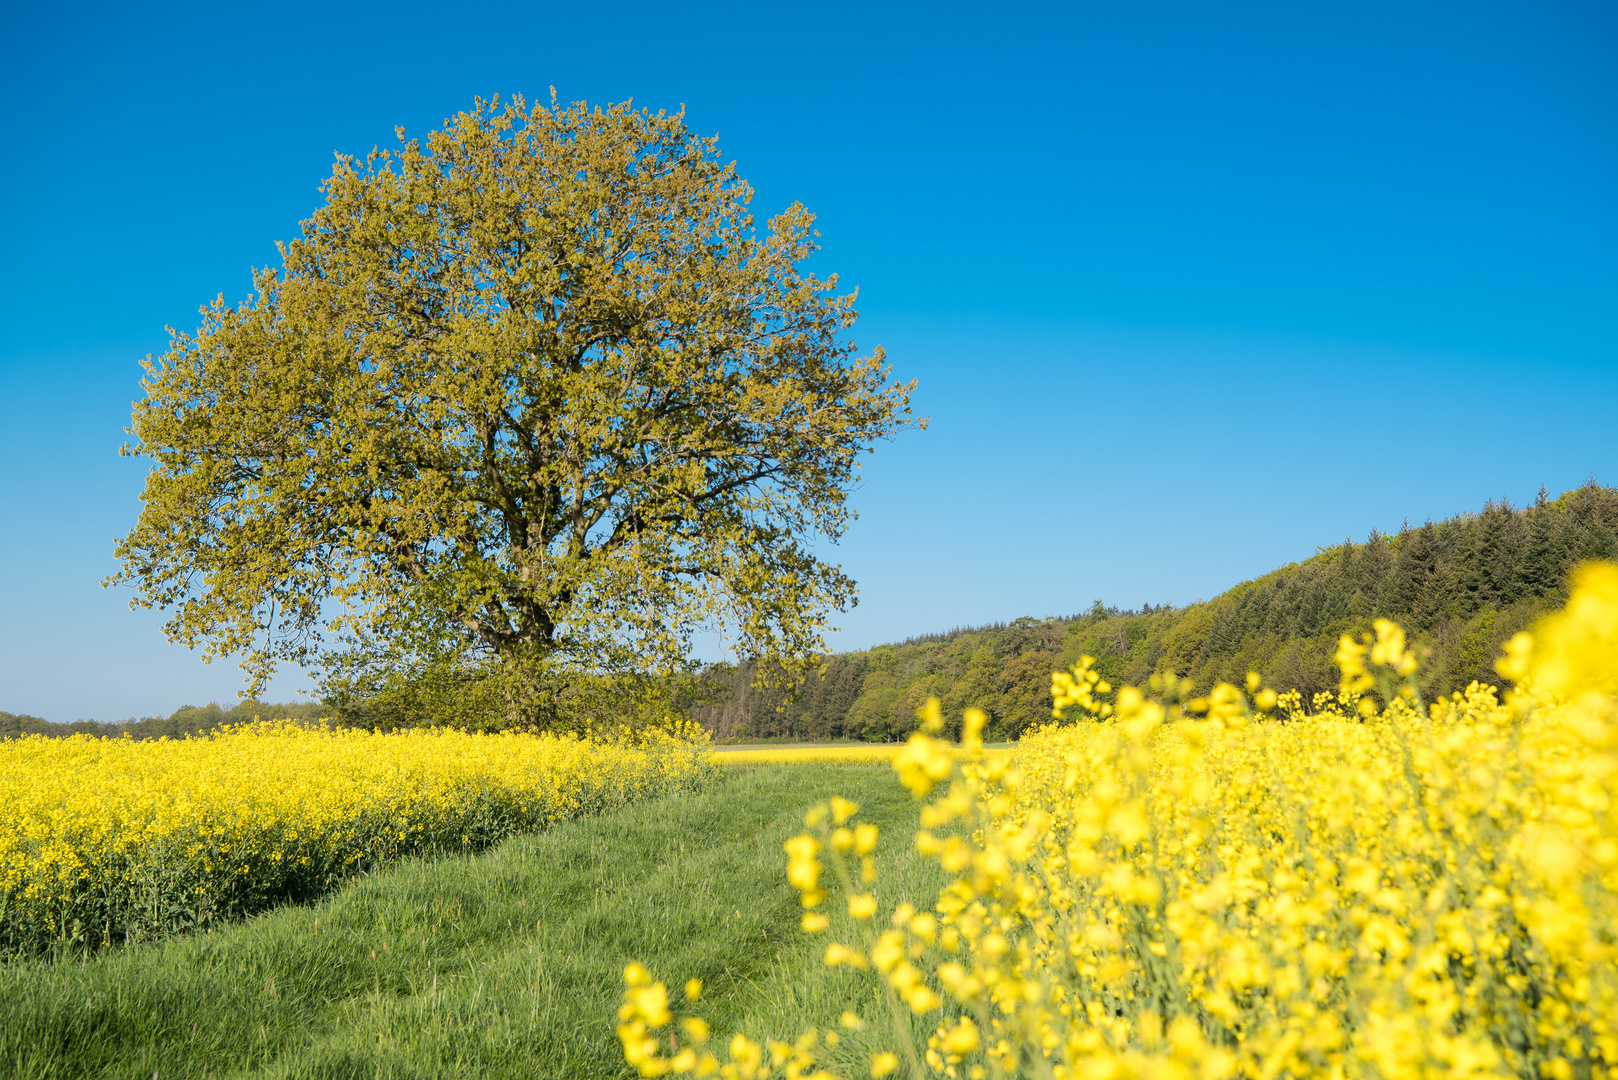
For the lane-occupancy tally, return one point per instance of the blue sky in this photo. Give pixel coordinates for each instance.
(1189, 289)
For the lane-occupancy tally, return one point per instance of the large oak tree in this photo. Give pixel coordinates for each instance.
(526, 405)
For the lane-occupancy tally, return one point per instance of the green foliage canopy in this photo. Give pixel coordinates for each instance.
(525, 405)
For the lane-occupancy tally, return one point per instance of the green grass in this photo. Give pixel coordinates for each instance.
(507, 963)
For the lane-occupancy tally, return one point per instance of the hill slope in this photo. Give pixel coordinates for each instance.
(1461, 586)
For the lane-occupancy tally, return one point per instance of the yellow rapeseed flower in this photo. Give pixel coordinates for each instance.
(93, 829)
(1353, 890)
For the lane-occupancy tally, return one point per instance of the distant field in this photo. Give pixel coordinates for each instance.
(787, 753)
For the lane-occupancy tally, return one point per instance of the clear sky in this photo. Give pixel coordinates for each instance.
(1189, 289)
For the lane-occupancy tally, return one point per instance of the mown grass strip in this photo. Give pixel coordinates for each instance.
(503, 964)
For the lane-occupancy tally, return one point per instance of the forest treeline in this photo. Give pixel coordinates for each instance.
(186, 720)
(1462, 587)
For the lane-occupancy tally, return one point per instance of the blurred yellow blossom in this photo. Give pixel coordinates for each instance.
(1373, 887)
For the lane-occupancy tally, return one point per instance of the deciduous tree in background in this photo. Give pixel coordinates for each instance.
(525, 406)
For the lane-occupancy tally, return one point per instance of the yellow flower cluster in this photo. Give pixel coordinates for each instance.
(109, 839)
(1080, 688)
(1230, 888)
(646, 1008)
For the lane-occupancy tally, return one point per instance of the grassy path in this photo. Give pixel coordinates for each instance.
(503, 964)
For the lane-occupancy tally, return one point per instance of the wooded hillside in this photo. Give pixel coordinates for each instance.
(1462, 586)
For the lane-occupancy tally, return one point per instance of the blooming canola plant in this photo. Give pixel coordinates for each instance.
(1228, 886)
(107, 840)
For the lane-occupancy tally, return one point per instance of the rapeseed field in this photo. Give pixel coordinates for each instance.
(113, 840)
(1231, 886)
